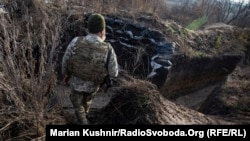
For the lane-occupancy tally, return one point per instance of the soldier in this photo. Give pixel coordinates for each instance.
(84, 85)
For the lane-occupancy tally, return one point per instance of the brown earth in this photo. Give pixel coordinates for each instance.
(129, 103)
(232, 99)
(200, 67)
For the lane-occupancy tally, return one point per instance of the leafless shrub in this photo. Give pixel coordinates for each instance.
(29, 38)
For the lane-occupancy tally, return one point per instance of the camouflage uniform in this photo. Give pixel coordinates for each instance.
(84, 90)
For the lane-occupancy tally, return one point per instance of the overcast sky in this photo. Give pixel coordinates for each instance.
(241, 1)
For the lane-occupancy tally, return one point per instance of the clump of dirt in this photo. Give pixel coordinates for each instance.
(130, 103)
(135, 101)
(232, 99)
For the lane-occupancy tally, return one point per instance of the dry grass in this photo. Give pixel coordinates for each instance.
(30, 35)
(130, 102)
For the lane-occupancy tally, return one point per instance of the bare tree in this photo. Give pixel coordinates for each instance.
(224, 11)
(243, 20)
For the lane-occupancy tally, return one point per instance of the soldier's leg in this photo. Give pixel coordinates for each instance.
(87, 101)
(77, 101)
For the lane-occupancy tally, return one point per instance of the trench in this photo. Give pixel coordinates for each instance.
(150, 55)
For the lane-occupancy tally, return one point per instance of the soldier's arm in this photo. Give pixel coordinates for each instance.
(68, 53)
(113, 64)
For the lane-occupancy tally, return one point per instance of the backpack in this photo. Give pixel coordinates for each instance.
(89, 61)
